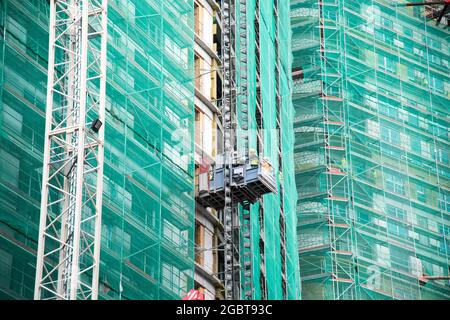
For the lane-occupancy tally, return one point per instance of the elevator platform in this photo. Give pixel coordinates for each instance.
(249, 182)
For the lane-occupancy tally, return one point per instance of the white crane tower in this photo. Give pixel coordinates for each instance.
(68, 257)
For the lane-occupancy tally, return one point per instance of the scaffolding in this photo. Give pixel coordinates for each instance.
(371, 96)
(147, 233)
(228, 102)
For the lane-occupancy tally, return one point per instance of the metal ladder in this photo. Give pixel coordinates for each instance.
(282, 221)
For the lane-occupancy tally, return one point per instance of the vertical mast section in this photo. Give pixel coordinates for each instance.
(227, 62)
(68, 258)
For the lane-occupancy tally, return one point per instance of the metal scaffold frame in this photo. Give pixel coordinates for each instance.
(68, 258)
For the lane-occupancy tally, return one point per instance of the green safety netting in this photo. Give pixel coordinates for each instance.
(148, 205)
(371, 97)
(269, 25)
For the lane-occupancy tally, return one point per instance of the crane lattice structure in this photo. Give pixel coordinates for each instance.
(70, 224)
(228, 90)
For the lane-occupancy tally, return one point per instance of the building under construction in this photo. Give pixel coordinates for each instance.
(111, 111)
(247, 149)
(371, 95)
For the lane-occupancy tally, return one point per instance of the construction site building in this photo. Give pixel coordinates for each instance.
(371, 96)
(252, 42)
(208, 226)
(163, 123)
(147, 246)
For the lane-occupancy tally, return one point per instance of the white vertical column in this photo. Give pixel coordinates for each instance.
(68, 258)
